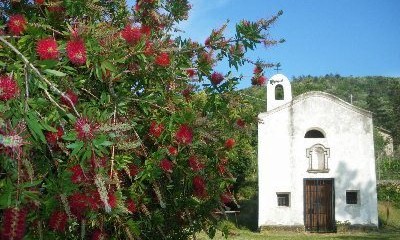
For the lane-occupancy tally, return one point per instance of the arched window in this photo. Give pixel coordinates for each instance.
(279, 94)
(314, 134)
(318, 158)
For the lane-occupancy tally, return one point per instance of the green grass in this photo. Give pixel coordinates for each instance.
(241, 234)
(389, 218)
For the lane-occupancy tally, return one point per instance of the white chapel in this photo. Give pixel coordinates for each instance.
(316, 161)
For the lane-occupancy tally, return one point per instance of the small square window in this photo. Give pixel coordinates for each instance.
(351, 197)
(283, 199)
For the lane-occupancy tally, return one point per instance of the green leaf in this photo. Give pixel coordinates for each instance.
(48, 127)
(106, 143)
(70, 136)
(35, 127)
(134, 227)
(107, 65)
(6, 193)
(87, 154)
(55, 73)
(30, 195)
(48, 63)
(71, 117)
(31, 184)
(76, 146)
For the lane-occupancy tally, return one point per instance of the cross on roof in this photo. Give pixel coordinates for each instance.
(277, 69)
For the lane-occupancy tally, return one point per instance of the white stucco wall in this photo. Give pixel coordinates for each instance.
(282, 161)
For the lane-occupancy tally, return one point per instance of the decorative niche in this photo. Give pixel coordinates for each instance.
(318, 156)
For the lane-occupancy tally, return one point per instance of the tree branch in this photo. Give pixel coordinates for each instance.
(38, 74)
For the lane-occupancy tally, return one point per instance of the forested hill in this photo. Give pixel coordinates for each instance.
(380, 95)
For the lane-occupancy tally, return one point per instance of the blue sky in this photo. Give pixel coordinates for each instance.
(357, 37)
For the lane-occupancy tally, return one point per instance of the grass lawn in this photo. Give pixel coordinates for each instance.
(389, 217)
(239, 234)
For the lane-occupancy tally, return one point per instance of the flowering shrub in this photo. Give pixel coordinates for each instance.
(109, 125)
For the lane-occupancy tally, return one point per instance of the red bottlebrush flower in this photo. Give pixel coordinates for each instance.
(199, 186)
(17, 24)
(146, 30)
(186, 93)
(148, 50)
(137, 6)
(131, 206)
(78, 203)
(226, 198)
(258, 80)
(76, 51)
(47, 49)
(230, 143)
(134, 170)
(93, 200)
(8, 88)
(85, 129)
(205, 58)
(58, 221)
(72, 96)
(190, 72)
(240, 123)
(78, 176)
(198, 182)
(156, 129)
(224, 161)
(14, 222)
(53, 137)
(132, 35)
(194, 164)
(163, 60)
(39, 2)
(216, 78)
(56, 8)
(12, 138)
(172, 151)
(112, 200)
(184, 135)
(75, 32)
(166, 165)
(60, 132)
(257, 69)
(99, 235)
(207, 42)
(236, 50)
(221, 169)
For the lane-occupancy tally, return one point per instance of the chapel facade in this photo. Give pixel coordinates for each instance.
(316, 162)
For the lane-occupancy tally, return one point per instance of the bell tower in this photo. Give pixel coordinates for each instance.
(279, 91)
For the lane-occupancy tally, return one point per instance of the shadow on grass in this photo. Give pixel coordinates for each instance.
(248, 216)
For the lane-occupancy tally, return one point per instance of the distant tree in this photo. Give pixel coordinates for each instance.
(375, 105)
(394, 97)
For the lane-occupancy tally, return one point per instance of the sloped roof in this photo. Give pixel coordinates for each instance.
(325, 95)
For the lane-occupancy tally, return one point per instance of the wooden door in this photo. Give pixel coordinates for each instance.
(319, 206)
